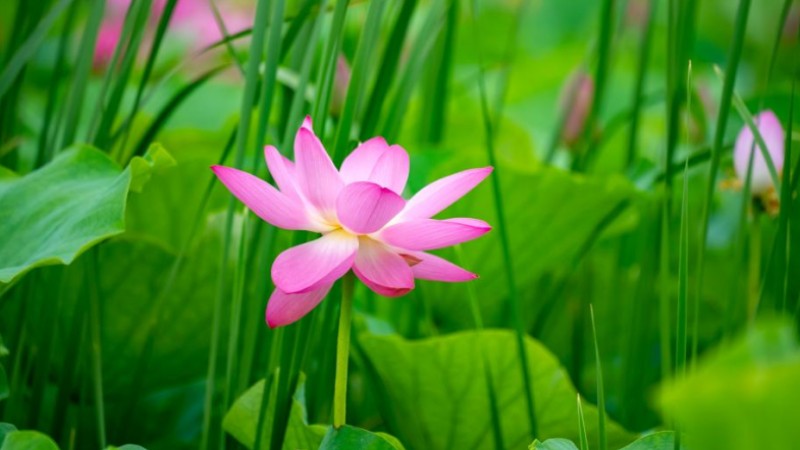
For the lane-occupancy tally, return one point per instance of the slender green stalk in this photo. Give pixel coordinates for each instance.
(387, 69)
(74, 105)
(641, 76)
(582, 435)
(361, 63)
(343, 352)
(516, 307)
(327, 70)
(237, 298)
(754, 267)
(683, 287)
(600, 75)
(161, 31)
(601, 402)
(25, 52)
(497, 428)
(719, 136)
(270, 72)
(92, 276)
(664, 292)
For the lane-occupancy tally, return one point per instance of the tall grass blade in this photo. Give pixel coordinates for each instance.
(74, 105)
(601, 398)
(719, 135)
(355, 91)
(25, 52)
(582, 435)
(387, 69)
(327, 69)
(516, 307)
(641, 76)
(601, 73)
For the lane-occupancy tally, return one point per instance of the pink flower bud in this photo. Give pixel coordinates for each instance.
(576, 102)
(771, 130)
(340, 82)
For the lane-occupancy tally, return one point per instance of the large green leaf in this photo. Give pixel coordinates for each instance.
(438, 399)
(743, 395)
(5, 429)
(52, 215)
(28, 440)
(241, 421)
(663, 440)
(551, 216)
(347, 438)
(553, 444)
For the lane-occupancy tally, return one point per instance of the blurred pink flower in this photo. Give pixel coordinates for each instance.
(771, 130)
(193, 20)
(576, 102)
(365, 224)
(341, 81)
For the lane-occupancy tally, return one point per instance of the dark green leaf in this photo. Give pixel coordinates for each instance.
(242, 421)
(348, 437)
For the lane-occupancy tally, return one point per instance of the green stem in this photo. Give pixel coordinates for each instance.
(754, 269)
(343, 352)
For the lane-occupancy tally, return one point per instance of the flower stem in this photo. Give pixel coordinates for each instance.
(343, 352)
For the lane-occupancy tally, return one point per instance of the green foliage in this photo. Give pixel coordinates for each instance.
(662, 440)
(450, 408)
(241, 421)
(555, 216)
(27, 440)
(348, 437)
(740, 396)
(553, 444)
(54, 214)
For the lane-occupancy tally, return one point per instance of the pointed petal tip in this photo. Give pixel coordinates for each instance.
(307, 123)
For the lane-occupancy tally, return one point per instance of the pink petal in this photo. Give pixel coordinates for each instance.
(429, 234)
(432, 267)
(281, 169)
(283, 308)
(376, 161)
(317, 177)
(365, 207)
(443, 192)
(307, 124)
(381, 269)
(391, 169)
(771, 130)
(263, 199)
(316, 263)
(359, 164)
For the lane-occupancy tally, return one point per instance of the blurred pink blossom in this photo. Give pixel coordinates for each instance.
(192, 21)
(576, 102)
(771, 130)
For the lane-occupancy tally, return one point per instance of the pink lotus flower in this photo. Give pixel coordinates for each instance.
(365, 224)
(771, 130)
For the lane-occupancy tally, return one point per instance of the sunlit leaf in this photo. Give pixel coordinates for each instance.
(438, 400)
(741, 396)
(54, 214)
(28, 440)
